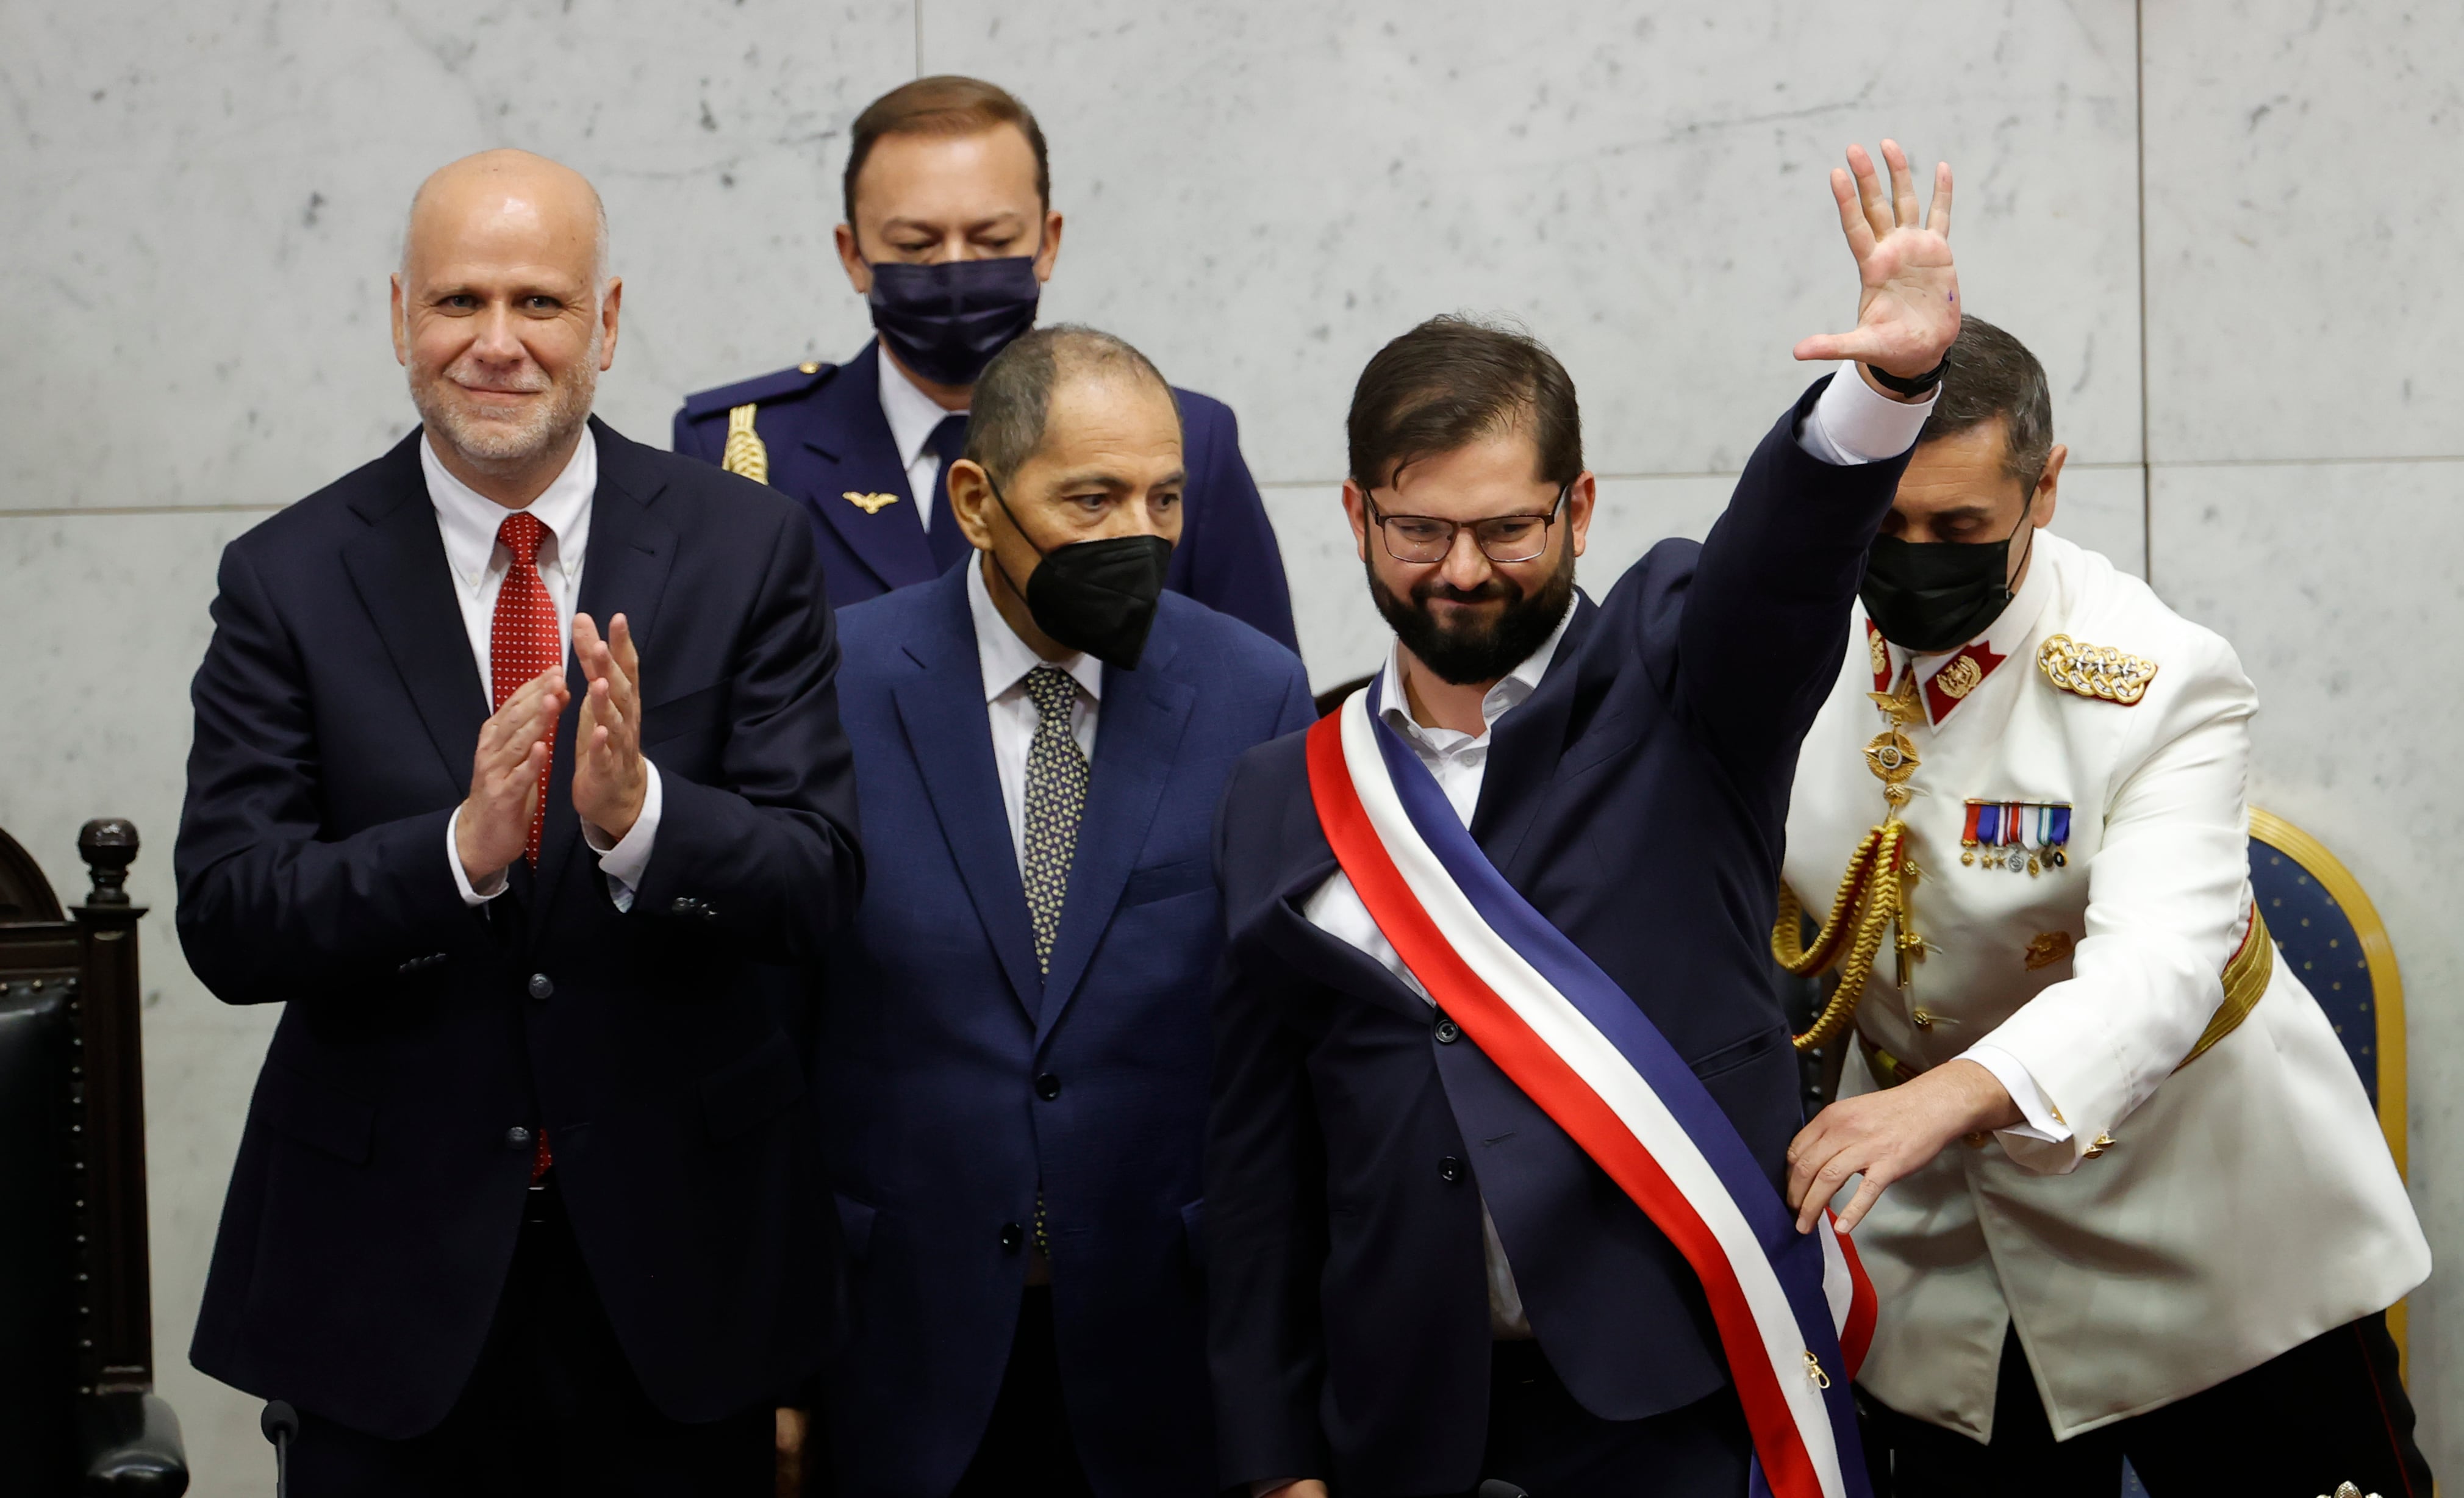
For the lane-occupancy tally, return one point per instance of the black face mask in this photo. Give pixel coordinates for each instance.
(1096, 596)
(946, 322)
(1927, 596)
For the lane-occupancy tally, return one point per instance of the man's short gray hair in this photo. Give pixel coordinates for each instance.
(1992, 374)
(1013, 397)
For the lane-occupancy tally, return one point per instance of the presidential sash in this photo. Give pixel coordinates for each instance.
(1794, 1312)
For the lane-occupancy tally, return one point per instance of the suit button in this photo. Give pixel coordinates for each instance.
(517, 1137)
(1447, 1032)
(1013, 1238)
(1048, 1086)
(1451, 1170)
(683, 906)
(540, 988)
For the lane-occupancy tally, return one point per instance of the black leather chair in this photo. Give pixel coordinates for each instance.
(77, 1408)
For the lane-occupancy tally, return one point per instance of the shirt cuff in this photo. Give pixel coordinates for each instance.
(1852, 422)
(2043, 1121)
(472, 896)
(625, 860)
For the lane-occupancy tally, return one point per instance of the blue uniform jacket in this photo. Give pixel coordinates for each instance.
(1639, 798)
(953, 1078)
(828, 439)
(381, 1180)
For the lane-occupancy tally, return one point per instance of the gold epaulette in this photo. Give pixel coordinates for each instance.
(2098, 671)
(744, 452)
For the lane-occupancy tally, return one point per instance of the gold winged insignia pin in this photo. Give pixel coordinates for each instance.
(870, 505)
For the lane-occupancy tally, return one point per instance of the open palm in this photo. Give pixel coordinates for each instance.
(1907, 308)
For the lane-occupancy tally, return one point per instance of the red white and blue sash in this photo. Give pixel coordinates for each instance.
(1794, 1312)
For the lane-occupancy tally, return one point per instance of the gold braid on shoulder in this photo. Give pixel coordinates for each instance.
(1872, 898)
(1873, 893)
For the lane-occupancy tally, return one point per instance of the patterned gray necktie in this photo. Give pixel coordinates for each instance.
(1056, 798)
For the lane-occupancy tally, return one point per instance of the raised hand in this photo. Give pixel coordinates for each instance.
(495, 823)
(1908, 310)
(609, 777)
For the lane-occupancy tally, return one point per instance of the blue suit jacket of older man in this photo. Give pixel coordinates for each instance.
(954, 1078)
(829, 444)
(1637, 799)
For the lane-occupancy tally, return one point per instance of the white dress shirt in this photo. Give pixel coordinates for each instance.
(1006, 661)
(467, 521)
(912, 415)
(1850, 424)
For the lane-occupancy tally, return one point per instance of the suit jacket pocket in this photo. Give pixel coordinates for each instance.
(753, 1088)
(1163, 881)
(308, 1112)
(1728, 1058)
(679, 716)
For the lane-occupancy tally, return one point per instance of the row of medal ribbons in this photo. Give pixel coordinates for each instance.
(2016, 835)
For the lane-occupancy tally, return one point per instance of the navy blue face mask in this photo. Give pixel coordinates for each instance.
(946, 322)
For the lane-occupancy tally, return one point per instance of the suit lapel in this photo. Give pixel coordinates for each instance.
(1530, 741)
(1137, 739)
(400, 572)
(941, 707)
(624, 571)
(859, 456)
(1321, 955)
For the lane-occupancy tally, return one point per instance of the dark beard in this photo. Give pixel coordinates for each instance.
(1482, 652)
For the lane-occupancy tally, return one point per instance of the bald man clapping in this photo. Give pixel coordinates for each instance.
(519, 782)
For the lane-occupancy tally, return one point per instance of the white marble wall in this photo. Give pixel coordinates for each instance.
(206, 197)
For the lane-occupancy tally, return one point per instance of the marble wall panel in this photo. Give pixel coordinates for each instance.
(105, 621)
(205, 200)
(1261, 194)
(2302, 228)
(2337, 583)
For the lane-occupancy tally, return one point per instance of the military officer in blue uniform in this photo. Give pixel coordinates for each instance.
(949, 235)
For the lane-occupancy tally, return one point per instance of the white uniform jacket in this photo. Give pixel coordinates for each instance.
(2154, 1232)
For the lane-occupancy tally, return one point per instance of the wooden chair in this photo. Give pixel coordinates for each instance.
(78, 1411)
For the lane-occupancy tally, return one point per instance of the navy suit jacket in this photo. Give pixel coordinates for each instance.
(954, 1078)
(827, 438)
(1637, 798)
(374, 1207)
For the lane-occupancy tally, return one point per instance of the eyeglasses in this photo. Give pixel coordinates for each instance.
(1501, 537)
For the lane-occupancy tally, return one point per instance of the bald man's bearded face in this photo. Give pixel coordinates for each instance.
(499, 405)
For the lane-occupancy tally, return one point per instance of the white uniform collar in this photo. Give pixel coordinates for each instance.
(1944, 681)
(1512, 690)
(468, 520)
(911, 413)
(1006, 658)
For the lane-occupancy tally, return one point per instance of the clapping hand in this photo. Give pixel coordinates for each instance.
(609, 779)
(494, 827)
(1907, 311)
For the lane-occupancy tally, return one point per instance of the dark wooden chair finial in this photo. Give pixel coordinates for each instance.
(109, 846)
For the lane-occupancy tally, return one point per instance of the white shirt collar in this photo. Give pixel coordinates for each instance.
(1513, 691)
(911, 413)
(468, 520)
(1006, 658)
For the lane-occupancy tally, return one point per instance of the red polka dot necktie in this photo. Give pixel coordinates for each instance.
(526, 638)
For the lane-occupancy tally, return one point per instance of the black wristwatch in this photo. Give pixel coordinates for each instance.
(1911, 388)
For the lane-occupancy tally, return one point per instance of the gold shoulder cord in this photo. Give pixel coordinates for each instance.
(744, 452)
(1873, 893)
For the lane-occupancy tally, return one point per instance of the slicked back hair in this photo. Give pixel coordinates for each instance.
(1992, 374)
(1454, 381)
(1013, 397)
(944, 104)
